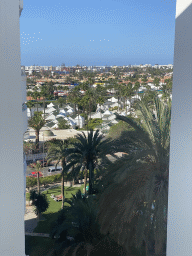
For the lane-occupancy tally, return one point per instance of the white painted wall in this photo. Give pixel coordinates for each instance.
(12, 239)
(179, 230)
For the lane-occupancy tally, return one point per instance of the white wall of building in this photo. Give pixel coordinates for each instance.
(12, 241)
(179, 229)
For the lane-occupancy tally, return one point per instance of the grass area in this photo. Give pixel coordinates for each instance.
(52, 212)
(38, 246)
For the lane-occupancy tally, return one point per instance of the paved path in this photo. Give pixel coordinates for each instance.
(36, 234)
(30, 219)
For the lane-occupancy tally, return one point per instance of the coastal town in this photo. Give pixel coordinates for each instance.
(108, 89)
(70, 105)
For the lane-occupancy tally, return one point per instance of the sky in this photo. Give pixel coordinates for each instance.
(97, 33)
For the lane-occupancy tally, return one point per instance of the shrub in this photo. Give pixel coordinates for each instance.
(31, 182)
(41, 203)
(115, 108)
(63, 124)
(93, 123)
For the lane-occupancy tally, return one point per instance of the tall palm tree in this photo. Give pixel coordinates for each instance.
(118, 87)
(57, 151)
(44, 94)
(137, 195)
(85, 152)
(35, 96)
(128, 92)
(75, 96)
(37, 167)
(37, 122)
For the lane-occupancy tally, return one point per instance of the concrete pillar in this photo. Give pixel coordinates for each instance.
(179, 229)
(12, 236)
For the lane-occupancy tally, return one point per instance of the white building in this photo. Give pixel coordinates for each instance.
(30, 69)
(12, 128)
(80, 121)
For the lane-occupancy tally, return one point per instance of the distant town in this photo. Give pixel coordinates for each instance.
(88, 97)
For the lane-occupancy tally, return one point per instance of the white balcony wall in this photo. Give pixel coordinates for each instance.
(179, 229)
(12, 241)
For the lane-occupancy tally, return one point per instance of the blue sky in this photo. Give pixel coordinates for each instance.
(102, 32)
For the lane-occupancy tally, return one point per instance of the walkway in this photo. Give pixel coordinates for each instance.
(36, 234)
(44, 235)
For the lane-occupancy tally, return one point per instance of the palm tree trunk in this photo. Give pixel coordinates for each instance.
(62, 183)
(90, 178)
(62, 190)
(130, 104)
(37, 139)
(85, 181)
(90, 111)
(87, 118)
(75, 109)
(37, 106)
(126, 105)
(44, 107)
(38, 183)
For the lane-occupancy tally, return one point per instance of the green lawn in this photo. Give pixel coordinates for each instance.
(52, 212)
(38, 246)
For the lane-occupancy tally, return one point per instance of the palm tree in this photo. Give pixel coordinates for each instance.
(44, 94)
(85, 152)
(118, 88)
(37, 122)
(37, 167)
(85, 230)
(128, 92)
(57, 151)
(100, 100)
(90, 94)
(75, 96)
(136, 197)
(35, 96)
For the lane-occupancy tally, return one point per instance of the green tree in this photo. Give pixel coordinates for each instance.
(44, 94)
(40, 201)
(156, 81)
(37, 167)
(75, 96)
(85, 230)
(137, 194)
(61, 101)
(36, 95)
(62, 124)
(91, 98)
(57, 151)
(85, 152)
(37, 122)
(128, 92)
(167, 87)
(30, 182)
(100, 100)
(119, 92)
